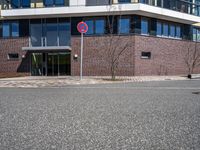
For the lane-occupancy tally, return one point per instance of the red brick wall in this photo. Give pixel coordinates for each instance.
(95, 60)
(167, 56)
(13, 46)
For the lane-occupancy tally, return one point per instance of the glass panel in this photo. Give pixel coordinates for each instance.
(144, 26)
(97, 2)
(6, 29)
(178, 31)
(165, 29)
(15, 29)
(36, 64)
(159, 29)
(99, 26)
(48, 2)
(124, 1)
(55, 64)
(51, 34)
(172, 31)
(90, 24)
(64, 34)
(198, 35)
(194, 37)
(15, 3)
(59, 2)
(52, 64)
(64, 64)
(36, 34)
(124, 25)
(25, 3)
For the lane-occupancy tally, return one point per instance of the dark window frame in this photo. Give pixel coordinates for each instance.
(13, 56)
(146, 55)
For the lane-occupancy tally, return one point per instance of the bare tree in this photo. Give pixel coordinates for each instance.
(192, 58)
(114, 44)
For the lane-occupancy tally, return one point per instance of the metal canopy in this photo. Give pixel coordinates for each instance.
(47, 48)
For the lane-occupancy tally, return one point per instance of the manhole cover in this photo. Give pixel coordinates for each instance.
(197, 93)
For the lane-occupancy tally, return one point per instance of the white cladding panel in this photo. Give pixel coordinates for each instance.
(80, 10)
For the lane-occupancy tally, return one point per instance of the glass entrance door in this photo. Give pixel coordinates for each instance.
(36, 64)
(52, 64)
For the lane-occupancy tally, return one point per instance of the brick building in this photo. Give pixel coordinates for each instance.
(40, 38)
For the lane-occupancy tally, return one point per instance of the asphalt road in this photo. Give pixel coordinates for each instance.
(138, 116)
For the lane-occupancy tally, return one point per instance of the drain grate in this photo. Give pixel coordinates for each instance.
(197, 93)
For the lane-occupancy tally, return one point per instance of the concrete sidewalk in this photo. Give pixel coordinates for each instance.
(35, 82)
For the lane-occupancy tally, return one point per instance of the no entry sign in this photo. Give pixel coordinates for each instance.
(82, 27)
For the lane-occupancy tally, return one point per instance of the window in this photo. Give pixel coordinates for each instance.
(54, 2)
(159, 29)
(100, 26)
(198, 35)
(10, 29)
(90, 24)
(146, 55)
(144, 26)
(36, 32)
(15, 3)
(6, 29)
(50, 32)
(124, 25)
(59, 2)
(64, 34)
(95, 26)
(48, 2)
(13, 56)
(165, 29)
(97, 2)
(20, 3)
(124, 1)
(25, 3)
(178, 31)
(172, 31)
(144, 1)
(15, 29)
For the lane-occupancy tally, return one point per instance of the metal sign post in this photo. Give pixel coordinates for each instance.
(81, 68)
(82, 28)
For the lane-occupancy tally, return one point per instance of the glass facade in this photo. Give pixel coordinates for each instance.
(50, 32)
(58, 31)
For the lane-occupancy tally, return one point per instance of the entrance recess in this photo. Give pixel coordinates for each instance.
(50, 64)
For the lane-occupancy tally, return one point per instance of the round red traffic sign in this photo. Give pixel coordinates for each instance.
(82, 27)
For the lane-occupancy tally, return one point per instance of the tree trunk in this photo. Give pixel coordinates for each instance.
(113, 77)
